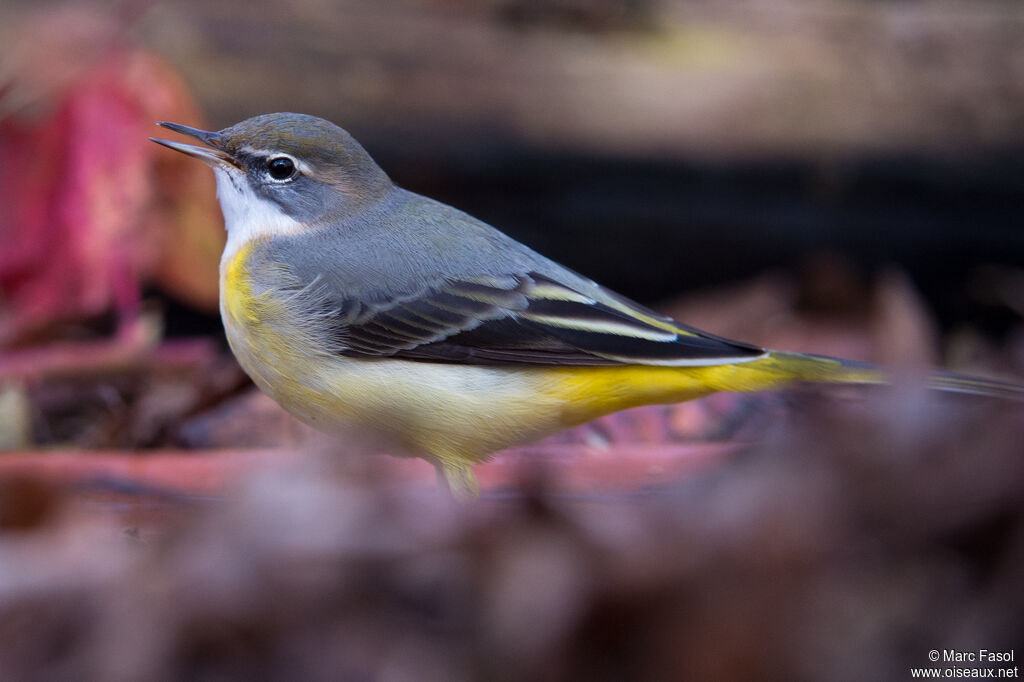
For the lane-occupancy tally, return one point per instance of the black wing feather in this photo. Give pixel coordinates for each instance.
(525, 319)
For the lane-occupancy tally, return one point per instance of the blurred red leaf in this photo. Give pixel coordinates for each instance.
(89, 208)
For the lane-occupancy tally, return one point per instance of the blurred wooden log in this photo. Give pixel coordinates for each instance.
(99, 358)
(659, 77)
(566, 468)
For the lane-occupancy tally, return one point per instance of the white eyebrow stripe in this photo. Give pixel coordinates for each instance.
(303, 167)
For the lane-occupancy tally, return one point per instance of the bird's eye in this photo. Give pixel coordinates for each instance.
(281, 168)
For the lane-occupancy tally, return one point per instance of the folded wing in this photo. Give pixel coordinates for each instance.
(524, 319)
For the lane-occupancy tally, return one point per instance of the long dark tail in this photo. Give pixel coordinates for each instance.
(821, 369)
(957, 383)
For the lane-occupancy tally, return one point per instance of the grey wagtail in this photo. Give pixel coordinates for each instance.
(347, 298)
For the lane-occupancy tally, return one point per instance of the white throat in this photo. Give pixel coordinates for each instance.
(246, 214)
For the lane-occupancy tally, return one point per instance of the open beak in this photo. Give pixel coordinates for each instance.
(212, 154)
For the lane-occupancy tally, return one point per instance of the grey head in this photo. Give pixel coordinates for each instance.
(297, 166)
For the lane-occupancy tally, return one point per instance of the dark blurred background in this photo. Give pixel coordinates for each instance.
(663, 145)
(658, 145)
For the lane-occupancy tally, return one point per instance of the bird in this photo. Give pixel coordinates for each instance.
(348, 299)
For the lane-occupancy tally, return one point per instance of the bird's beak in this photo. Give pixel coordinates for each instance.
(212, 154)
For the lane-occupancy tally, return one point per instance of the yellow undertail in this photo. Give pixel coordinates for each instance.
(589, 392)
(586, 393)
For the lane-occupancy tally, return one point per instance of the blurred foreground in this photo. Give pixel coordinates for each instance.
(853, 539)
